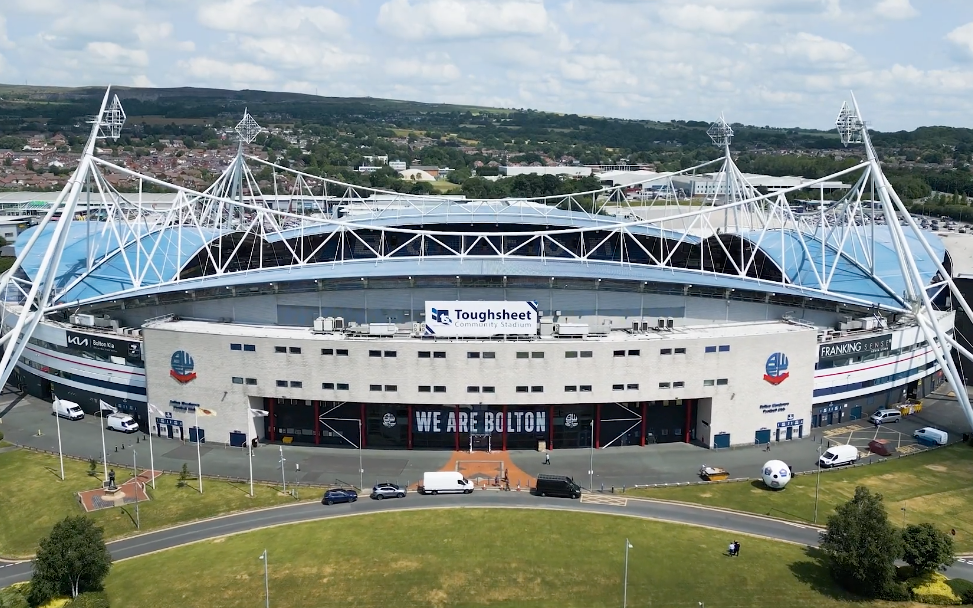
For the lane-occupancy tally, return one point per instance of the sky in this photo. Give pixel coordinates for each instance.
(782, 63)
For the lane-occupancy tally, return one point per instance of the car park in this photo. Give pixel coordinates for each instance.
(337, 495)
(387, 490)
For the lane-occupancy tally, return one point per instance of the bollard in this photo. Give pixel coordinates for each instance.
(623, 489)
(137, 439)
(116, 449)
(613, 489)
(123, 446)
(603, 487)
(518, 485)
(297, 465)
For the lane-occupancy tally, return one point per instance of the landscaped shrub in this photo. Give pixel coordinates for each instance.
(896, 592)
(91, 599)
(14, 597)
(962, 588)
(933, 589)
(904, 573)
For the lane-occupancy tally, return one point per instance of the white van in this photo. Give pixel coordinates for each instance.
(67, 409)
(445, 482)
(885, 416)
(932, 435)
(838, 455)
(122, 422)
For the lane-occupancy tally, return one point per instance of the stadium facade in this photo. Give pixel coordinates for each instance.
(388, 321)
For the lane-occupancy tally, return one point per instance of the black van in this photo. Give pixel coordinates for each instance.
(557, 485)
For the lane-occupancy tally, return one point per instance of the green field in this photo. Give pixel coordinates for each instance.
(33, 498)
(478, 557)
(934, 486)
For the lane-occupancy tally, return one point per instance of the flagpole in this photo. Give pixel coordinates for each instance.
(199, 457)
(151, 454)
(57, 417)
(250, 448)
(249, 423)
(104, 452)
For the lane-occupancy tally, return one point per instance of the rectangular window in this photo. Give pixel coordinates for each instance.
(341, 352)
(489, 389)
(710, 349)
(634, 353)
(282, 383)
(523, 355)
(571, 354)
(328, 386)
(236, 347)
(391, 354)
(724, 348)
(439, 389)
(586, 354)
(252, 381)
(537, 355)
(537, 389)
(327, 351)
(237, 380)
(708, 382)
(680, 351)
(425, 389)
(663, 385)
(722, 381)
(472, 389)
(439, 354)
(489, 354)
(249, 348)
(391, 388)
(678, 384)
(665, 351)
(295, 350)
(585, 388)
(632, 387)
(374, 353)
(425, 354)
(619, 353)
(618, 387)
(472, 355)
(342, 386)
(570, 389)
(521, 389)
(297, 384)
(280, 349)
(375, 387)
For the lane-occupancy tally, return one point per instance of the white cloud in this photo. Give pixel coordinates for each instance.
(297, 52)
(710, 19)
(205, 69)
(114, 54)
(962, 37)
(4, 40)
(430, 69)
(142, 81)
(453, 19)
(263, 16)
(819, 51)
(895, 9)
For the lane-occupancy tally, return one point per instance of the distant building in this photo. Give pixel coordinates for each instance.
(398, 165)
(376, 160)
(512, 170)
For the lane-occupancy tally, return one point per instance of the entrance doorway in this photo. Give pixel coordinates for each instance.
(481, 442)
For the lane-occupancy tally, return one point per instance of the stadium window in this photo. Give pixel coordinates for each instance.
(297, 384)
(489, 389)
(342, 386)
(439, 354)
(327, 351)
(472, 355)
(375, 387)
(472, 389)
(678, 384)
(391, 354)
(634, 353)
(282, 383)
(586, 354)
(722, 381)
(328, 386)
(537, 389)
(489, 354)
(236, 347)
(570, 354)
(237, 380)
(341, 352)
(295, 350)
(665, 351)
(708, 382)
(391, 388)
(585, 388)
(425, 354)
(250, 348)
(439, 389)
(619, 353)
(252, 381)
(374, 353)
(570, 389)
(537, 354)
(521, 389)
(680, 351)
(663, 385)
(618, 387)
(425, 389)
(632, 387)
(523, 355)
(710, 349)
(280, 349)
(724, 348)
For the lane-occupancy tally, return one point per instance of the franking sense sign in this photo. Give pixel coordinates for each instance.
(855, 348)
(480, 319)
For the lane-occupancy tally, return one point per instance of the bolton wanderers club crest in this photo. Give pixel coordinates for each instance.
(571, 421)
(776, 369)
(388, 420)
(181, 367)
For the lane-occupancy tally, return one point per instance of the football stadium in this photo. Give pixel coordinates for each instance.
(336, 315)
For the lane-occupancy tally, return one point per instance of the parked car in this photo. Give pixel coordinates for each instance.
(67, 409)
(122, 423)
(339, 495)
(931, 436)
(838, 455)
(885, 416)
(387, 490)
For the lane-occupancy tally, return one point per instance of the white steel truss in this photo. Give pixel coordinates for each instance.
(235, 230)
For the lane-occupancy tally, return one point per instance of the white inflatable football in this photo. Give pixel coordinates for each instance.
(776, 474)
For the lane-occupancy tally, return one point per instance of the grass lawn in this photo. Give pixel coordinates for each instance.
(934, 486)
(33, 498)
(442, 187)
(478, 557)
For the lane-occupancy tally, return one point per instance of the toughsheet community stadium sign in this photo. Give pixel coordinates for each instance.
(480, 319)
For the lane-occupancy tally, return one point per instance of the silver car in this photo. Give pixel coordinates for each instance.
(387, 490)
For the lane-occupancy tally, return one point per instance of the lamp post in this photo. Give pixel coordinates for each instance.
(283, 475)
(135, 467)
(817, 486)
(104, 452)
(628, 546)
(199, 456)
(361, 469)
(903, 517)
(153, 410)
(263, 556)
(591, 458)
(57, 418)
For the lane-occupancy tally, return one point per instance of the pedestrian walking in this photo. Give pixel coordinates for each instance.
(736, 549)
(729, 550)
(547, 458)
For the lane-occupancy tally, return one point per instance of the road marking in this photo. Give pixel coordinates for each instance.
(908, 449)
(602, 499)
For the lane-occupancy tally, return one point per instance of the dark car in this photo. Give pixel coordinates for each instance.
(387, 490)
(557, 485)
(339, 495)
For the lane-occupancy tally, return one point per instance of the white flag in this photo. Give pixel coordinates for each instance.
(104, 407)
(259, 413)
(153, 408)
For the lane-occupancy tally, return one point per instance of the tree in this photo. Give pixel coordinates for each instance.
(862, 545)
(71, 560)
(926, 548)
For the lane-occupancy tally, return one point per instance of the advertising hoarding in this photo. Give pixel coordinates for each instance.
(480, 319)
(105, 345)
(855, 348)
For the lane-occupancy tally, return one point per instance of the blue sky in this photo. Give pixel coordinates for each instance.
(764, 62)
